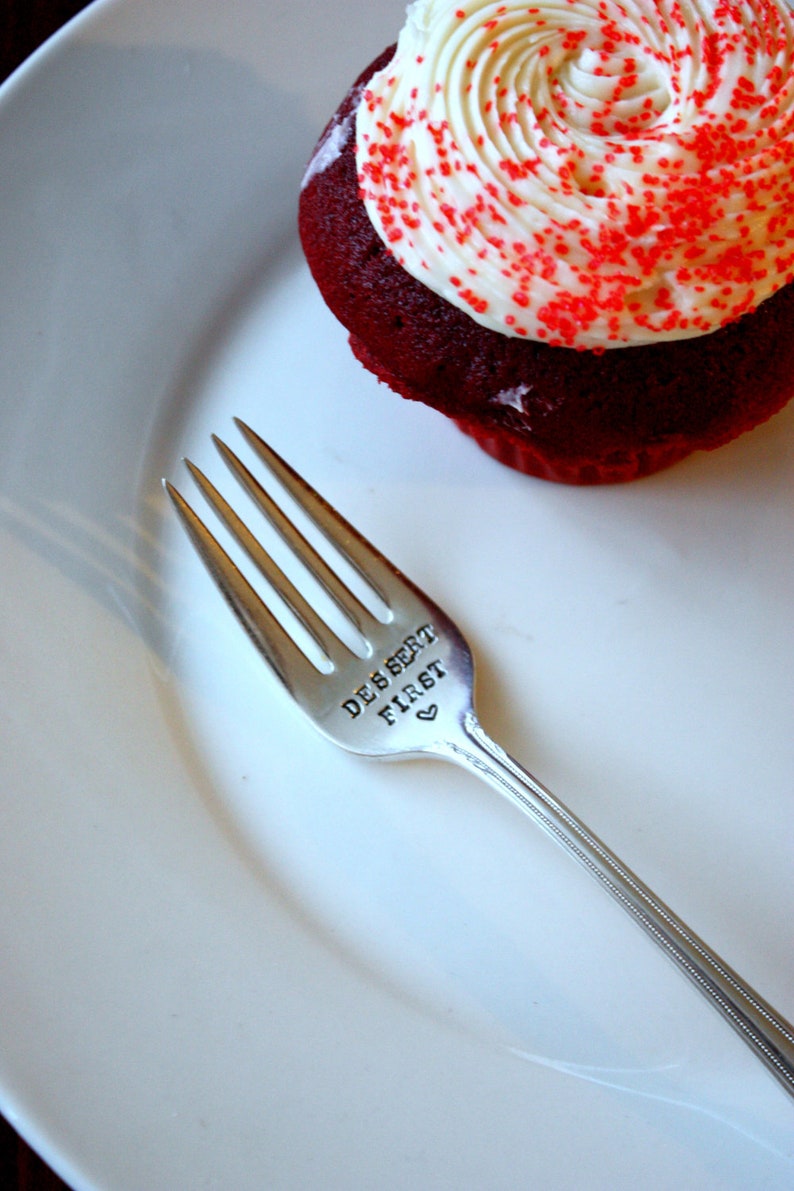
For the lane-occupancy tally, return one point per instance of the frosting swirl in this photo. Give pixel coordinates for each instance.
(590, 173)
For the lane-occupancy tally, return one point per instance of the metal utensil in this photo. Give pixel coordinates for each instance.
(394, 677)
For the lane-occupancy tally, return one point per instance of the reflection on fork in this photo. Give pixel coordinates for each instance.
(382, 671)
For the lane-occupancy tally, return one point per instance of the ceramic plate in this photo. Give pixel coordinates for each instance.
(233, 956)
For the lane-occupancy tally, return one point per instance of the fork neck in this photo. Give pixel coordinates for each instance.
(767, 1033)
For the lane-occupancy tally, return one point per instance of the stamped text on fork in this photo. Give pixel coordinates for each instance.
(380, 686)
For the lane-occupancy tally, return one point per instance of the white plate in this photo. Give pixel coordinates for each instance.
(231, 956)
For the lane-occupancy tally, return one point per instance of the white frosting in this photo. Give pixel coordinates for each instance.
(587, 172)
(329, 149)
(514, 398)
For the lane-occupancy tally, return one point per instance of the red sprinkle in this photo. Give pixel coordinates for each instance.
(701, 191)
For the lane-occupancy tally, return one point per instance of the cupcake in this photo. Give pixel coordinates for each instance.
(569, 226)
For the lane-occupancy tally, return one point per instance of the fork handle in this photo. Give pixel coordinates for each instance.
(768, 1034)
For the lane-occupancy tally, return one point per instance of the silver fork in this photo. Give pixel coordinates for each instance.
(394, 677)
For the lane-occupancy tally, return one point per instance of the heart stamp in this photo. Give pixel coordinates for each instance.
(428, 713)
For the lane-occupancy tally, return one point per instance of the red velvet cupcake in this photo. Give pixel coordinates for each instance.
(584, 256)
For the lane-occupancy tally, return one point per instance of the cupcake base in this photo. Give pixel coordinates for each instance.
(518, 452)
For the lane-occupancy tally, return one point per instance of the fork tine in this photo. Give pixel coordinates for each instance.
(346, 601)
(330, 644)
(289, 662)
(381, 575)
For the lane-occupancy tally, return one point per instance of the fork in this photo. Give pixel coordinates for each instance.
(384, 672)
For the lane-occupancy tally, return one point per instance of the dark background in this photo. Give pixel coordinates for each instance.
(24, 25)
